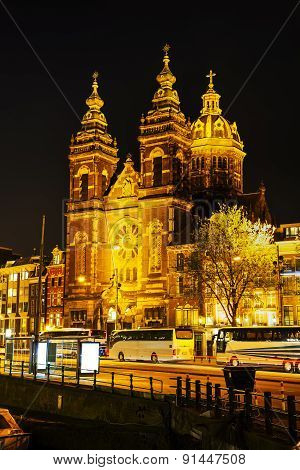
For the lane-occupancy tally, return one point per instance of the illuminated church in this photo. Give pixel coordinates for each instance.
(120, 226)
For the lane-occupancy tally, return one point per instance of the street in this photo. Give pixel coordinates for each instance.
(266, 381)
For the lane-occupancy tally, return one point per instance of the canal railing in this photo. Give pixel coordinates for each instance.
(65, 375)
(277, 416)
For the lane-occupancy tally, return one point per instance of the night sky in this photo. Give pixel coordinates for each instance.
(125, 46)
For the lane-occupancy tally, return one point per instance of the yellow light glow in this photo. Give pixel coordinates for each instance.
(81, 278)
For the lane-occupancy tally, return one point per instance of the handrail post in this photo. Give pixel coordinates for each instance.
(187, 389)
(48, 372)
(10, 367)
(95, 380)
(112, 382)
(248, 407)
(198, 392)
(208, 395)
(34, 371)
(231, 396)
(78, 377)
(151, 388)
(218, 400)
(178, 391)
(131, 384)
(292, 419)
(22, 370)
(268, 412)
(62, 375)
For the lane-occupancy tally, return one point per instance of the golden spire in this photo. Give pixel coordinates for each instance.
(165, 78)
(94, 101)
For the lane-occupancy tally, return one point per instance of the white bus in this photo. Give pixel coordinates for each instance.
(156, 345)
(274, 348)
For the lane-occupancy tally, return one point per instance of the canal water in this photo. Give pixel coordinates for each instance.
(47, 434)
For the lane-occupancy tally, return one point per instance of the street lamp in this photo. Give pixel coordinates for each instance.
(278, 267)
(115, 278)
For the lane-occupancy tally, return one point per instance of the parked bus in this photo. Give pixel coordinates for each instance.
(276, 348)
(156, 345)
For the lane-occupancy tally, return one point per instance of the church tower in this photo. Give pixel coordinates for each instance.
(93, 160)
(164, 137)
(217, 151)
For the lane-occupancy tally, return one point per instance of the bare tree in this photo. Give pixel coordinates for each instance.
(231, 254)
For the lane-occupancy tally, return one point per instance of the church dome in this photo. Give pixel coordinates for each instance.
(211, 124)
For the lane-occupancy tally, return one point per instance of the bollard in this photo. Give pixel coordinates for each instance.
(268, 412)
(95, 380)
(151, 388)
(112, 382)
(10, 367)
(48, 372)
(231, 396)
(283, 407)
(131, 384)
(248, 408)
(179, 391)
(187, 389)
(218, 411)
(198, 392)
(34, 371)
(22, 370)
(78, 377)
(208, 395)
(62, 375)
(292, 418)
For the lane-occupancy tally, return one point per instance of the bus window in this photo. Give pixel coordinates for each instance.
(162, 335)
(266, 335)
(184, 334)
(251, 335)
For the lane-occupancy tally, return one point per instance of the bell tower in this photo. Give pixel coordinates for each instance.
(93, 160)
(164, 136)
(93, 153)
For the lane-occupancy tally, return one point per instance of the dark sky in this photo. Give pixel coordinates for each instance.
(125, 47)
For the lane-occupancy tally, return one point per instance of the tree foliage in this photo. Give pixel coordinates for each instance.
(231, 254)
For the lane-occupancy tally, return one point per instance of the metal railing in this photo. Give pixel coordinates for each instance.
(277, 416)
(65, 375)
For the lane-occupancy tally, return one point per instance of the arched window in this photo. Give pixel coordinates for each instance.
(80, 240)
(104, 180)
(224, 163)
(83, 175)
(134, 274)
(202, 163)
(220, 163)
(214, 162)
(128, 274)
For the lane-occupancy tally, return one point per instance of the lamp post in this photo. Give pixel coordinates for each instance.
(117, 285)
(278, 266)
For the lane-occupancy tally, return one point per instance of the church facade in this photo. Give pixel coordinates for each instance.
(122, 225)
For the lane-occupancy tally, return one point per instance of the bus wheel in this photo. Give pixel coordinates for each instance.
(288, 366)
(121, 357)
(234, 361)
(154, 358)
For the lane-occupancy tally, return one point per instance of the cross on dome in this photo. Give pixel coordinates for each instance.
(210, 76)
